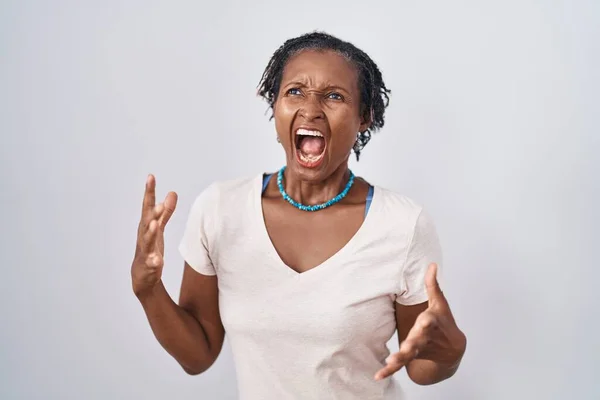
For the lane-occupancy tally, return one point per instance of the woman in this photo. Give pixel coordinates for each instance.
(309, 270)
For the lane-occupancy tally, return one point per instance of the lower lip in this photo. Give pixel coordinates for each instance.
(311, 164)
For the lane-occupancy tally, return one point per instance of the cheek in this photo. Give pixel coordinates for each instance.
(285, 109)
(283, 114)
(345, 126)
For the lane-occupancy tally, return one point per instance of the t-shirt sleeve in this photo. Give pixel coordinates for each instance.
(424, 249)
(194, 246)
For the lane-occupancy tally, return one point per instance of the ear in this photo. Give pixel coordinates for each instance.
(366, 120)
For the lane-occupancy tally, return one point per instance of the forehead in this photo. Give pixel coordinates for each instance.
(321, 68)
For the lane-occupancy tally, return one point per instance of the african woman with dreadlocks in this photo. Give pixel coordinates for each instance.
(310, 270)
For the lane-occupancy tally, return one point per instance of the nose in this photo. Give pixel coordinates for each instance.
(312, 108)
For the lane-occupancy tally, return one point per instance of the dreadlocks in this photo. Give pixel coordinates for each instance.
(373, 92)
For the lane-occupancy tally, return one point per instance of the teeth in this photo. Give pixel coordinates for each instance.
(306, 132)
(310, 158)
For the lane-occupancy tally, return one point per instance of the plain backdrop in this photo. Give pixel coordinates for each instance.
(493, 126)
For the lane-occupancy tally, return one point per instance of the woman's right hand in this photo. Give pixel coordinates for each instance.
(148, 262)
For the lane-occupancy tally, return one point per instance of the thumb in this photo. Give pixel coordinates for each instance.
(434, 292)
(169, 204)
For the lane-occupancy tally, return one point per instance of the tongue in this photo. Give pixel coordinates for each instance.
(312, 145)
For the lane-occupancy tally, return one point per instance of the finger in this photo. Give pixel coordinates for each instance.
(426, 322)
(154, 260)
(386, 371)
(157, 211)
(419, 336)
(408, 352)
(169, 208)
(144, 225)
(410, 348)
(434, 292)
(149, 195)
(149, 238)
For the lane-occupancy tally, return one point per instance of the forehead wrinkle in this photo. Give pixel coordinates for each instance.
(318, 84)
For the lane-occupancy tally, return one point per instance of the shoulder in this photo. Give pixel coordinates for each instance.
(231, 187)
(396, 204)
(224, 194)
(402, 210)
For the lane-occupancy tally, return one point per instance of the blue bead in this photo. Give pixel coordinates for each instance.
(315, 207)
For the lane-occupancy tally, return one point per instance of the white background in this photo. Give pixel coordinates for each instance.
(493, 126)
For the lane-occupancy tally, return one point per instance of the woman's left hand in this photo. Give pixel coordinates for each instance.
(434, 336)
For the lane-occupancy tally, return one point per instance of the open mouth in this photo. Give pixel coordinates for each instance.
(310, 147)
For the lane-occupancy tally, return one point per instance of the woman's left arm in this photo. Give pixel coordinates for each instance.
(431, 344)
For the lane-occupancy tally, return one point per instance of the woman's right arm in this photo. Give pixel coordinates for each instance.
(190, 331)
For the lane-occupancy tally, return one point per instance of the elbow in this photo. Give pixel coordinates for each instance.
(426, 380)
(193, 371)
(426, 373)
(199, 362)
(197, 367)
(421, 379)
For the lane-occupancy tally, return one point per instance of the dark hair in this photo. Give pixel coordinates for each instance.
(373, 93)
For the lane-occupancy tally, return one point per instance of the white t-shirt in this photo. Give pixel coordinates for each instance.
(320, 334)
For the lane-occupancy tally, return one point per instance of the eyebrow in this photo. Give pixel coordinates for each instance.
(326, 88)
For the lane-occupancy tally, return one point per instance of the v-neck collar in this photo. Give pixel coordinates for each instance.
(347, 248)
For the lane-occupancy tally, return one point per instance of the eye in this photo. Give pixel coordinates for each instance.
(335, 96)
(294, 92)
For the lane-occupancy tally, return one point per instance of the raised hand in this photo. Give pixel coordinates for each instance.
(146, 269)
(434, 336)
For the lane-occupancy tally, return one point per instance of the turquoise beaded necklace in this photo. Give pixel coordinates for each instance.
(316, 207)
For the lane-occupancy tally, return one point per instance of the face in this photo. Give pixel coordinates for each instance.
(317, 113)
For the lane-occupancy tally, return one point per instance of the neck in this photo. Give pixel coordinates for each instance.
(316, 192)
